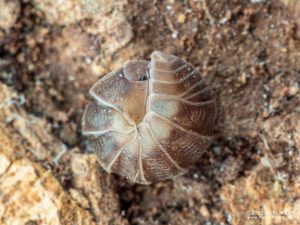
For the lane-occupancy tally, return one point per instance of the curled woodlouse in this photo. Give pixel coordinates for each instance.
(150, 120)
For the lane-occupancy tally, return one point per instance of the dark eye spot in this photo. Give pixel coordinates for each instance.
(142, 78)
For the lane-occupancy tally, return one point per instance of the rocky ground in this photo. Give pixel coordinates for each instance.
(51, 52)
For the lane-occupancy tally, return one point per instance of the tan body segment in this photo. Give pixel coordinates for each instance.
(150, 121)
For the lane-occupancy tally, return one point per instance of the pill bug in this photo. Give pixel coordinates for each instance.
(150, 120)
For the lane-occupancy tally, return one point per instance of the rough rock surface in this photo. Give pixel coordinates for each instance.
(51, 52)
(31, 192)
(10, 10)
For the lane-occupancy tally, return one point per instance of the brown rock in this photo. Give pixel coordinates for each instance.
(9, 13)
(261, 197)
(97, 187)
(284, 129)
(30, 193)
(4, 163)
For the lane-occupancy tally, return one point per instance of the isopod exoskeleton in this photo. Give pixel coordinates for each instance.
(150, 121)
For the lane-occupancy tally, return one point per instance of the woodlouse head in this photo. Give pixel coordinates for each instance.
(150, 121)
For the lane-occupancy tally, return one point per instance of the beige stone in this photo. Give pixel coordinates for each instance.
(98, 188)
(4, 163)
(30, 193)
(9, 13)
(259, 197)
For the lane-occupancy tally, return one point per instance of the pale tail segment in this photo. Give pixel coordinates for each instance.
(150, 121)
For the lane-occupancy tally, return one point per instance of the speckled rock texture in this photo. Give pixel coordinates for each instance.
(10, 10)
(51, 52)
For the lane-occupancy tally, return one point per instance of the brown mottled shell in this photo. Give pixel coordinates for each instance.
(150, 121)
